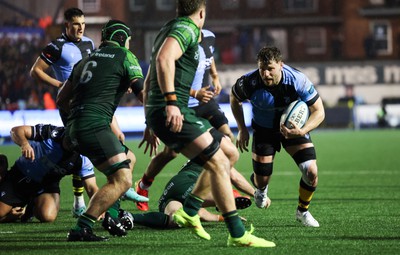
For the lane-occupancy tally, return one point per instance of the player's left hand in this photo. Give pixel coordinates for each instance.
(16, 213)
(174, 119)
(292, 132)
(152, 141)
(27, 151)
(217, 88)
(204, 94)
(242, 140)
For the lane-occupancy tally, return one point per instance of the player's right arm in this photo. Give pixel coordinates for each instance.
(215, 78)
(20, 136)
(39, 73)
(242, 141)
(169, 52)
(151, 140)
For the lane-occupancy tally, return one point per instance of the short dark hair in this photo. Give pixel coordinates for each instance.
(72, 12)
(268, 54)
(117, 31)
(188, 7)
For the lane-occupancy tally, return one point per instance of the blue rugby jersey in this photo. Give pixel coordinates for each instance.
(51, 158)
(268, 103)
(62, 54)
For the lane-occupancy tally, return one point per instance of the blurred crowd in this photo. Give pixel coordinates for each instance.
(18, 89)
(20, 45)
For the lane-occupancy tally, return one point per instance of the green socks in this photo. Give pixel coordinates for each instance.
(234, 224)
(192, 205)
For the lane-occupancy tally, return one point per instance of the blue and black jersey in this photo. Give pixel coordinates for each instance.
(51, 159)
(267, 102)
(206, 56)
(62, 54)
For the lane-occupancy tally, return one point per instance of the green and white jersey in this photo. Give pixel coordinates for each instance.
(181, 185)
(99, 82)
(185, 31)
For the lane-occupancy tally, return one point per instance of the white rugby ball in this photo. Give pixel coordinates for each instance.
(297, 112)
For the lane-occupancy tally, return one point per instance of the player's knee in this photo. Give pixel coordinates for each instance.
(120, 175)
(309, 172)
(132, 158)
(232, 153)
(262, 169)
(314, 181)
(46, 217)
(126, 181)
(306, 161)
(168, 154)
(121, 182)
(227, 146)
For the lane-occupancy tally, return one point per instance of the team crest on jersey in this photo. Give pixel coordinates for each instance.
(240, 83)
(57, 133)
(253, 82)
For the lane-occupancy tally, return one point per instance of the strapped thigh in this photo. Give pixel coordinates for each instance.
(114, 168)
(207, 153)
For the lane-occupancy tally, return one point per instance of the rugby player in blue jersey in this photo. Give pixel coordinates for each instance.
(270, 89)
(36, 174)
(61, 55)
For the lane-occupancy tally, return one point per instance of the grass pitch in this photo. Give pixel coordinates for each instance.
(357, 204)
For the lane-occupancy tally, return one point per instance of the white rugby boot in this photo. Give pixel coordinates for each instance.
(261, 198)
(306, 219)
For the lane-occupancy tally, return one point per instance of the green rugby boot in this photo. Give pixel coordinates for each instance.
(184, 220)
(249, 240)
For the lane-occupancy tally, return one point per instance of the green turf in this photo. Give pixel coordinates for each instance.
(357, 204)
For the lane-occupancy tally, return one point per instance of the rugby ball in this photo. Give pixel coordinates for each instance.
(297, 112)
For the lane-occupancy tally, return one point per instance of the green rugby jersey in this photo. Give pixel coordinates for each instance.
(99, 82)
(185, 31)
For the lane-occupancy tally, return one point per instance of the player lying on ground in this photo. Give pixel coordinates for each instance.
(36, 174)
(175, 193)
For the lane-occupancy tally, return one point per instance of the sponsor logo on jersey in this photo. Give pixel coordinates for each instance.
(104, 55)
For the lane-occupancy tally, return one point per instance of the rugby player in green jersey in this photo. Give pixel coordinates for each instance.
(167, 87)
(91, 96)
(175, 192)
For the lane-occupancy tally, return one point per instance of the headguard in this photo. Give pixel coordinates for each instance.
(116, 31)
